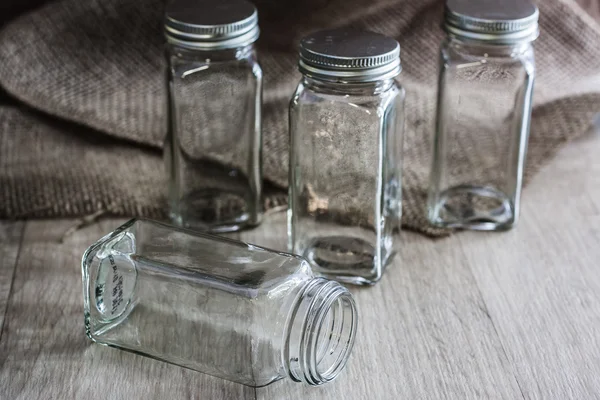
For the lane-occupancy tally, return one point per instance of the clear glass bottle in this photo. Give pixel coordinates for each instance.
(213, 147)
(222, 307)
(486, 80)
(346, 134)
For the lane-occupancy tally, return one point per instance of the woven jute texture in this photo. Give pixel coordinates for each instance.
(84, 133)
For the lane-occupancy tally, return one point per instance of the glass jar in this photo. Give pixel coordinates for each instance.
(222, 307)
(213, 146)
(486, 80)
(346, 134)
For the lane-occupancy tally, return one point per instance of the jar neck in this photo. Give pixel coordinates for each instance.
(320, 332)
(475, 47)
(343, 88)
(188, 53)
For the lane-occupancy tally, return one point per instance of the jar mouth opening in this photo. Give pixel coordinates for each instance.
(321, 341)
(333, 342)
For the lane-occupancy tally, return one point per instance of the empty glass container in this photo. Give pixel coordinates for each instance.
(213, 146)
(486, 80)
(222, 307)
(346, 134)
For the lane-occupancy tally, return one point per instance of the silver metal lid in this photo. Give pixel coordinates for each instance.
(346, 55)
(492, 21)
(211, 24)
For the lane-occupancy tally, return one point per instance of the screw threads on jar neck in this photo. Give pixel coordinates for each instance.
(320, 333)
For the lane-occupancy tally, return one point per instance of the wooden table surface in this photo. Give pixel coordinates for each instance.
(478, 315)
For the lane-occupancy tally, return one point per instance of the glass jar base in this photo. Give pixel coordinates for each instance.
(482, 208)
(240, 223)
(214, 211)
(344, 259)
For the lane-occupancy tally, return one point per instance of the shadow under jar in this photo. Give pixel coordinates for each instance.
(213, 147)
(487, 72)
(218, 306)
(346, 134)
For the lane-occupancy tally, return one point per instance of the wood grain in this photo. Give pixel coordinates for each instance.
(541, 281)
(44, 353)
(424, 331)
(10, 240)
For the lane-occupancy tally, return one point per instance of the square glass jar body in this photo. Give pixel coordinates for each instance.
(213, 149)
(345, 176)
(482, 129)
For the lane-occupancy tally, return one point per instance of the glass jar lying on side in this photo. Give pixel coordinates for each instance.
(218, 306)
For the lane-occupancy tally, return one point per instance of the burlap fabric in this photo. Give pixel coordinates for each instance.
(98, 65)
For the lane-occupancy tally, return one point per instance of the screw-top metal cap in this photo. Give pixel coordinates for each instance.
(492, 21)
(346, 55)
(211, 24)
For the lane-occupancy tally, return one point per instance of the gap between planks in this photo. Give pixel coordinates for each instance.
(11, 235)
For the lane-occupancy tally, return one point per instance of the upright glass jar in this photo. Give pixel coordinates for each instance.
(346, 134)
(213, 146)
(218, 306)
(486, 80)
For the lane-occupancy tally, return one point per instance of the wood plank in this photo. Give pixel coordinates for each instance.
(45, 354)
(10, 240)
(424, 331)
(541, 280)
